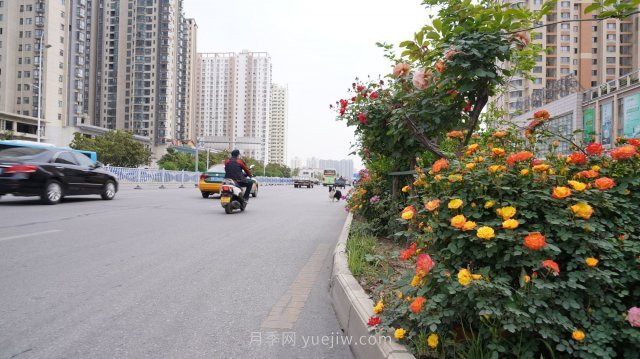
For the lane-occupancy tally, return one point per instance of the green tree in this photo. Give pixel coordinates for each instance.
(6, 135)
(116, 148)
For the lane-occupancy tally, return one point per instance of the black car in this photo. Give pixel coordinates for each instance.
(52, 174)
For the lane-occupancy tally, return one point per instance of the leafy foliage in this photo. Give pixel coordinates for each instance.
(116, 148)
(496, 289)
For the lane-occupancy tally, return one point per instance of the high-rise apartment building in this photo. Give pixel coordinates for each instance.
(113, 64)
(579, 55)
(278, 124)
(190, 68)
(137, 68)
(234, 93)
(33, 66)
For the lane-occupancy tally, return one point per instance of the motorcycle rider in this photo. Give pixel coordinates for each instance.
(233, 169)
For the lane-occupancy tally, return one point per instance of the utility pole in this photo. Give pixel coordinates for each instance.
(40, 62)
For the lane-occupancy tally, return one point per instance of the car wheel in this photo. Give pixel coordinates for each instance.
(52, 193)
(205, 194)
(255, 193)
(109, 191)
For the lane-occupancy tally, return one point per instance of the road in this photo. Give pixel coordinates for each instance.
(167, 274)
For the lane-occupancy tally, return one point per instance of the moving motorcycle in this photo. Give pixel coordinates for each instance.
(231, 196)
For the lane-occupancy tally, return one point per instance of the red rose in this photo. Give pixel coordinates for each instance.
(374, 95)
(363, 118)
(594, 149)
(634, 141)
(578, 158)
(374, 320)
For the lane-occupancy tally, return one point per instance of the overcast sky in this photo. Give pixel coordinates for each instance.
(317, 48)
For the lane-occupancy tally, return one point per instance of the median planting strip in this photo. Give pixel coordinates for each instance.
(353, 306)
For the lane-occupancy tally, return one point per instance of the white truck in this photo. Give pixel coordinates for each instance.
(304, 179)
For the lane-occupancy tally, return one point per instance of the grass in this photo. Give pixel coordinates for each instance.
(372, 260)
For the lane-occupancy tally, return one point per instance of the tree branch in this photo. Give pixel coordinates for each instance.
(428, 144)
(474, 116)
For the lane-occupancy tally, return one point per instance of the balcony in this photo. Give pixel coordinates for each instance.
(631, 79)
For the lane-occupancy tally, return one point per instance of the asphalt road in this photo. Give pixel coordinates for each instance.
(167, 274)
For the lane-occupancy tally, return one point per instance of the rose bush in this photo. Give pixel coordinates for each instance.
(535, 258)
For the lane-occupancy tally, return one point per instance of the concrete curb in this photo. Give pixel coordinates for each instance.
(353, 307)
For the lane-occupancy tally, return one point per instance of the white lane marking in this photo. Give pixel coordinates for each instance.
(29, 234)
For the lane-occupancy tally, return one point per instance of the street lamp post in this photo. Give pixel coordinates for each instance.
(40, 54)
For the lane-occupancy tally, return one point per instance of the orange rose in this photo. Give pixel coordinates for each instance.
(439, 165)
(440, 66)
(561, 192)
(623, 152)
(604, 183)
(498, 152)
(417, 304)
(458, 221)
(432, 205)
(534, 241)
(499, 134)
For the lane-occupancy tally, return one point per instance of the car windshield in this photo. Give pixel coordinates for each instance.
(216, 174)
(20, 153)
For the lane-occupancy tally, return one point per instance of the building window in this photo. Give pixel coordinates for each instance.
(611, 60)
(611, 48)
(611, 37)
(594, 72)
(611, 26)
(594, 62)
(565, 26)
(611, 71)
(564, 49)
(564, 60)
(594, 40)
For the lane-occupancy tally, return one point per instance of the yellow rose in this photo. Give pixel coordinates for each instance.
(405, 189)
(510, 224)
(379, 307)
(458, 221)
(527, 279)
(432, 341)
(524, 172)
(455, 178)
(591, 262)
(561, 192)
(476, 276)
(489, 204)
(578, 186)
(455, 203)
(464, 277)
(485, 233)
(596, 168)
(400, 295)
(578, 335)
(552, 172)
(399, 333)
(506, 212)
(540, 168)
(415, 281)
(470, 166)
(437, 178)
(478, 159)
(496, 168)
(469, 226)
(582, 210)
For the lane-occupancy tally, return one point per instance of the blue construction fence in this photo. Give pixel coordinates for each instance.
(143, 175)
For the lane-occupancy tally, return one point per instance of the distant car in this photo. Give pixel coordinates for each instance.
(340, 182)
(53, 173)
(211, 181)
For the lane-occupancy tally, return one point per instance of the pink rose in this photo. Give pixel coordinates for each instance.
(421, 78)
(401, 69)
(524, 37)
(633, 316)
(451, 53)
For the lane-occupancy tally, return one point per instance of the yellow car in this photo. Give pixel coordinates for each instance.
(211, 181)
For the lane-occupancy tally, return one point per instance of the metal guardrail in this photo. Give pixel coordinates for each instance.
(148, 176)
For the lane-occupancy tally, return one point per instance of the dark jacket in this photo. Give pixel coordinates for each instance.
(233, 168)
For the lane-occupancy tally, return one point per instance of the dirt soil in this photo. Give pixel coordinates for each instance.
(389, 265)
